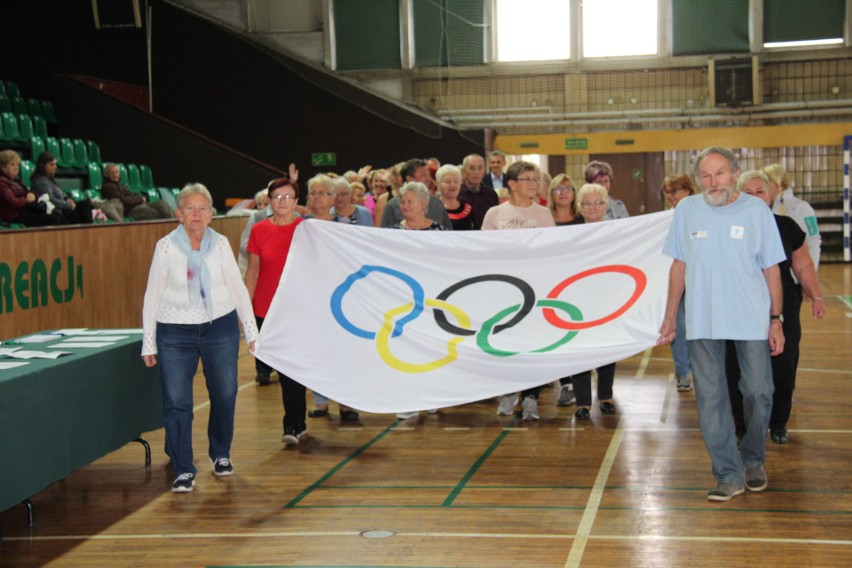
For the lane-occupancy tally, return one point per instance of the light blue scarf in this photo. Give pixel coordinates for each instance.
(197, 275)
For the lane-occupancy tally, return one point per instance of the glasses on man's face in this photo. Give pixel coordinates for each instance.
(530, 180)
(320, 194)
(203, 209)
(588, 204)
(563, 189)
(286, 197)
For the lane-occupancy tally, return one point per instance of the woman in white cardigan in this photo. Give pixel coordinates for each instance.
(193, 303)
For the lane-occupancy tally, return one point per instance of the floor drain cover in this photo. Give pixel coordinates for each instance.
(377, 534)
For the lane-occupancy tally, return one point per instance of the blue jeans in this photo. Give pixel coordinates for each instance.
(179, 348)
(714, 404)
(680, 353)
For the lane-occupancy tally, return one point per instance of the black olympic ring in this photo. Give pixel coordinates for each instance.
(526, 307)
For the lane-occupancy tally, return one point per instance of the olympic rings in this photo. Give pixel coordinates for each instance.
(340, 292)
(482, 336)
(463, 327)
(638, 276)
(383, 345)
(526, 290)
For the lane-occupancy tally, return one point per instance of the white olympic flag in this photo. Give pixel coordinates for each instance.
(394, 321)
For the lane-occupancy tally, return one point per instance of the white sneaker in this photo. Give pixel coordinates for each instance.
(406, 415)
(530, 408)
(566, 395)
(507, 405)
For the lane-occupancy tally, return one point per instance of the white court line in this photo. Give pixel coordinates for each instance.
(510, 429)
(585, 527)
(455, 429)
(640, 372)
(349, 428)
(580, 429)
(635, 538)
(206, 403)
(670, 386)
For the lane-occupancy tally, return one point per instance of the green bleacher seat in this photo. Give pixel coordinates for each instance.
(147, 176)
(152, 194)
(75, 194)
(3, 88)
(34, 107)
(25, 127)
(167, 196)
(36, 146)
(94, 151)
(93, 193)
(81, 154)
(10, 126)
(96, 175)
(66, 150)
(12, 90)
(5, 103)
(19, 105)
(134, 180)
(39, 126)
(26, 172)
(2, 130)
(51, 145)
(122, 174)
(48, 112)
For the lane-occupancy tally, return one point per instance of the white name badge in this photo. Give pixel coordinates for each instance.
(698, 235)
(737, 232)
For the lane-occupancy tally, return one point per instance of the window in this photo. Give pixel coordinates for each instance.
(614, 28)
(791, 23)
(533, 30)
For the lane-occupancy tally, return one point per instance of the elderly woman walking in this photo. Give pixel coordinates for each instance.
(194, 304)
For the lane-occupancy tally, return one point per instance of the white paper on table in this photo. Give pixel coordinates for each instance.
(8, 350)
(70, 331)
(37, 354)
(137, 330)
(38, 338)
(12, 364)
(81, 344)
(94, 338)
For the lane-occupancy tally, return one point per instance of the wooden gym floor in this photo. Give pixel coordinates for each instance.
(468, 488)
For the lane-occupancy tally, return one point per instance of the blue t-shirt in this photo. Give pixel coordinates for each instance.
(725, 250)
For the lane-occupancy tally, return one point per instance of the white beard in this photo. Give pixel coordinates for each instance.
(719, 198)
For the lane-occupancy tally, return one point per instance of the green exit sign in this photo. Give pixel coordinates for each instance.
(576, 143)
(324, 159)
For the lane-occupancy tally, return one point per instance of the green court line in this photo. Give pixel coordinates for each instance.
(846, 300)
(470, 473)
(338, 467)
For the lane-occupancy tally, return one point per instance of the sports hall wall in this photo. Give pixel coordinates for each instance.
(92, 276)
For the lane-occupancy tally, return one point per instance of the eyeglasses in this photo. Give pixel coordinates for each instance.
(286, 197)
(563, 189)
(530, 180)
(320, 194)
(189, 209)
(593, 204)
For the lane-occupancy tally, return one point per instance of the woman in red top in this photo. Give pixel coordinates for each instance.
(268, 247)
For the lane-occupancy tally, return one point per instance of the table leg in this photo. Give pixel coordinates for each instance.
(147, 450)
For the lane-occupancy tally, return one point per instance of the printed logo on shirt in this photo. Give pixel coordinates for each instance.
(698, 234)
(737, 232)
(811, 225)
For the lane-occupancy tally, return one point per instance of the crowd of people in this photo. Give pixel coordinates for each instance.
(45, 203)
(731, 350)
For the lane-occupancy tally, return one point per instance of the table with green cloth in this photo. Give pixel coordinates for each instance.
(58, 415)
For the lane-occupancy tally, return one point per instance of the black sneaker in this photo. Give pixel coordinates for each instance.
(183, 483)
(780, 436)
(291, 435)
(222, 467)
(263, 379)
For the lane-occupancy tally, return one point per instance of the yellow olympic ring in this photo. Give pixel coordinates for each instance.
(384, 334)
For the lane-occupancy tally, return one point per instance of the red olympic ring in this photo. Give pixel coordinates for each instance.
(637, 275)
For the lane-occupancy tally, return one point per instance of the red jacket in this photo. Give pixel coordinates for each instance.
(13, 198)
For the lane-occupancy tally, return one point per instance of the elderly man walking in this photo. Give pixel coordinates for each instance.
(726, 250)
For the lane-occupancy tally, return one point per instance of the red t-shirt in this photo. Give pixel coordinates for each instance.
(272, 244)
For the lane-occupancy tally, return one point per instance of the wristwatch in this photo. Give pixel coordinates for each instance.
(778, 317)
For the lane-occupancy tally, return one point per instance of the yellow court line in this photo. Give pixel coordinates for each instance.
(640, 372)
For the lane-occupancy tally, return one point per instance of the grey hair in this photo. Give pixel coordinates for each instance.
(322, 179)
(193, 189)
(418, 188)
(733, 162)
(340, 183)
(447, 169)
(753, 174)
(263, 191)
